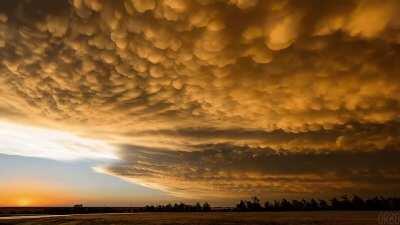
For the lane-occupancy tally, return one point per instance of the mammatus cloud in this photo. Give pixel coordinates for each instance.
(297, 80)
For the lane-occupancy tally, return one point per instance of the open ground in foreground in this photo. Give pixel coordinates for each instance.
(214, 218)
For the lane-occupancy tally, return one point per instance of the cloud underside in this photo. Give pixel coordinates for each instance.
(225, 171)
(215, 98)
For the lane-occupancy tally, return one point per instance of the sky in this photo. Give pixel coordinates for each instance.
(130, 102)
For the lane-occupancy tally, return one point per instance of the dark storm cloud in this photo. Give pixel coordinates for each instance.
(232, 171)
(180, 76)
(350, 137)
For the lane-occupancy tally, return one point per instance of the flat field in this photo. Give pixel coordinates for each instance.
(212, 218)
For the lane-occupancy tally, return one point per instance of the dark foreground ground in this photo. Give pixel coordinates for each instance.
(212, 218)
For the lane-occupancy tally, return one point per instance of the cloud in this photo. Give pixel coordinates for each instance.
(227, 171)
(52, 144)
(292, 77)
(352, 137)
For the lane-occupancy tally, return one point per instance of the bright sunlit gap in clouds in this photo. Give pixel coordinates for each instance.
(31, 141)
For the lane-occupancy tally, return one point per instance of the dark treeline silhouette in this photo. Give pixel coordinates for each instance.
(9, 211)
(254, 204)
(179, 208)
(80, 209)
(343, 203)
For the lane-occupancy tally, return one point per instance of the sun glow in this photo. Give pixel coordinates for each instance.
(30, 141)
(24, 202)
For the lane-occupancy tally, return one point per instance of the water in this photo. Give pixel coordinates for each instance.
(30, 217)
(16, 217)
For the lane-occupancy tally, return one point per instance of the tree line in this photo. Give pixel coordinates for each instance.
(80, 209)
(343, 203)
(181, 207)
(254, 204)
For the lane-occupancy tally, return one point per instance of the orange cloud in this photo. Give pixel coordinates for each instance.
(177, 76)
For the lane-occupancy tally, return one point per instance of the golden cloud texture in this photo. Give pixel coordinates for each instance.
(181, 78)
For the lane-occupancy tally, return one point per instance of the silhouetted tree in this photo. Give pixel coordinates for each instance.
(285, 205)
(277, 205)
(254, 204)
(357, 203)
(297, 205)
(267, 206)
(323, 205)
(198, 207)
(206, 207)
(335, 204)
(313, 205)
(168, 207)
(344, 203)
(241, 206)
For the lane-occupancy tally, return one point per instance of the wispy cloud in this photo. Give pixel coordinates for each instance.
(53, 144)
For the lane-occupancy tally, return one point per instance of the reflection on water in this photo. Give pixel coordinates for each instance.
(50, 216)
(30, 217)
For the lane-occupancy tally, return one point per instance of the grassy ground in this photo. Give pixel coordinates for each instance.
(262, 218)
